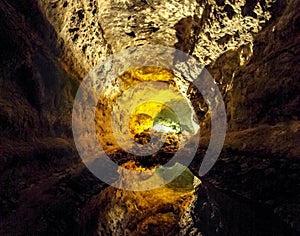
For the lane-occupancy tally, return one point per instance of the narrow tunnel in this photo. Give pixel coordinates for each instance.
(48, 48)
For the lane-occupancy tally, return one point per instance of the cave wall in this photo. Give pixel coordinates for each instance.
(227, 37)
(38, 162)
(222, 35)
(259, 83)
(256, 88)
(36, 92)
(250, 47)
(265, 89)
(90, 30)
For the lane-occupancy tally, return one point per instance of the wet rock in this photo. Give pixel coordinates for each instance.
(155, 212)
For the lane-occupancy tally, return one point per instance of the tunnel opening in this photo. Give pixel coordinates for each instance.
(155, 107)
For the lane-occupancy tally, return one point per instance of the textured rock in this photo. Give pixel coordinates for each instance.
(250, 47)
(90, 30)
(262, 103)
(40, 171)
(125, 106)
(268, 83)
(79, 30)
(36, 93)
(152, 212)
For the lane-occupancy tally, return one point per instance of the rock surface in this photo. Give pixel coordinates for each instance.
(151, 212)
(250, 47)
(90, 30)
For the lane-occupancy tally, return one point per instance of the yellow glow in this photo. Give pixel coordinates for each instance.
(149, 108)
(142, 118)
(163, 206)
(152, 73)
(139, 123)
(132, 104)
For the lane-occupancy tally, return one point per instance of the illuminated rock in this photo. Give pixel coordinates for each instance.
(253, 58)
(133, 115)
(153, 212)
(90, 30)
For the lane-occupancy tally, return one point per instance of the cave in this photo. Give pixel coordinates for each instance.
(135, 161)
